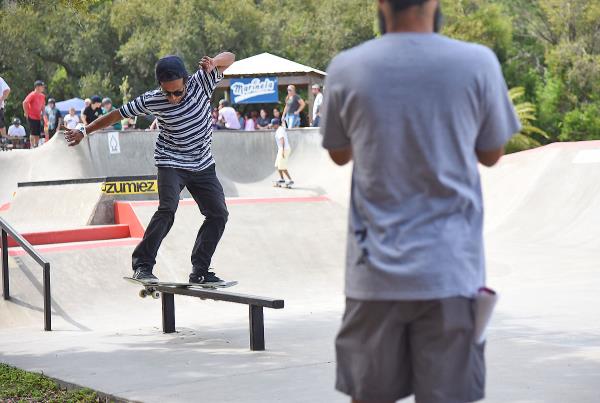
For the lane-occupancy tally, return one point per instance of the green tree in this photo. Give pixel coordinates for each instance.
(60, 42)
(582, 123)
(569, 32)
(480, 21)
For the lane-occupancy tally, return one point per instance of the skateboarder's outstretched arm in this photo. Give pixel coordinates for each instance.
(222, 61)
(74, 136)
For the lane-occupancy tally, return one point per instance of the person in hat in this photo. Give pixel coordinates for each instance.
(183, 157)
(33, 107)
(316, 111)
(16, 133)
(108, 107)
(92, 111)
(52, 118)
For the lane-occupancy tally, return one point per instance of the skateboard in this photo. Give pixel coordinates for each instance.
(150, 288)
(278, 184)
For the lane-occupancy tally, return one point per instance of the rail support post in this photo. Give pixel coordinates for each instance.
(257, 328)
(5, 287)
(168, 312)
(47, 299)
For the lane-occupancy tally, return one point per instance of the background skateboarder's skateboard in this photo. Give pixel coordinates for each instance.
(150, 288)
(278, 184)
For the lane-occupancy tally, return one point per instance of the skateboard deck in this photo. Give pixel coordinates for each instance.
(150, 287)
(278, 184)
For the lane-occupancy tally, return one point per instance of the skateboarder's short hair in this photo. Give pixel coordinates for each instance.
(399, 5)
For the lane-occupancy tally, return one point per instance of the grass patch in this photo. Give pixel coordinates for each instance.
(21, 386)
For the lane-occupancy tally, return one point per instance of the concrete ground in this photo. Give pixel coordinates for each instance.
(544, 341)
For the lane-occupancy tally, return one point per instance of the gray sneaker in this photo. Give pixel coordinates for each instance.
(144, 274)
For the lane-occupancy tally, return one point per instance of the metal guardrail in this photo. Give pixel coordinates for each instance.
(7, 230)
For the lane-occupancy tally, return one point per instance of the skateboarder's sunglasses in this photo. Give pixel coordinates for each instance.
(177, 93)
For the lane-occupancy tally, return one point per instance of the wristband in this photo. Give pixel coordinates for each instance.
(83, 131)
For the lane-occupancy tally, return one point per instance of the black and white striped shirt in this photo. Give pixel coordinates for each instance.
(185, 136)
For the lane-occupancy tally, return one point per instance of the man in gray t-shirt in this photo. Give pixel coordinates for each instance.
(416, 112)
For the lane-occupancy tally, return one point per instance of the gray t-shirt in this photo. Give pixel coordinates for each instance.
(414, 108)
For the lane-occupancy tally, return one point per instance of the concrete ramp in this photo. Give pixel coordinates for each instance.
(53, 207)
(289, 249)
(543, 244)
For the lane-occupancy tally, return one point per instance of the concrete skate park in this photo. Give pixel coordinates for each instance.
(542, 216)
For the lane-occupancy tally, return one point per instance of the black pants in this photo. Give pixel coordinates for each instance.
(207, 191)
(52, 132)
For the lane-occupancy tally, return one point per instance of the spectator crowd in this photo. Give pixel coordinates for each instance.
(43, 119)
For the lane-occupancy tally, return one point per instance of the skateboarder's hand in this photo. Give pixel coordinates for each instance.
(73, 137)
(207, 64)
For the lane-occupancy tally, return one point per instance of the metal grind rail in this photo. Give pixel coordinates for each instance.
(7, 230)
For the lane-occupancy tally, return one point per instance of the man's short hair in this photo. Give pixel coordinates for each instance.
(106, 100)
(399, 5)
(96, 99)
(224, 102)
(170, 68)
(38, 83)
(316, 86)
(51, 100)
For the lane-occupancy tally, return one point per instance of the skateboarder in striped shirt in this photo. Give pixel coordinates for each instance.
(183, 157)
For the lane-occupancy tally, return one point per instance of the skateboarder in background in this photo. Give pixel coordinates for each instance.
(415, 245)
(183, 157)
(284, 150)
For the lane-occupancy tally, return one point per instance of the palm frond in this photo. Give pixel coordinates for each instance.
(526, 111)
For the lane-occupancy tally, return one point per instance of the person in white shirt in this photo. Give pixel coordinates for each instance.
(316, 111)
(227, 117)
(16, 133)
(71, 120)
(4, 91)
(283, 153)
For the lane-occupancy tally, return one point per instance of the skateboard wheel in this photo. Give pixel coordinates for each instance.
(142, 293)
(156, 294)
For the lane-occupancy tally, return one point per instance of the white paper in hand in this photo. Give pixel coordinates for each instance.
(485, 301)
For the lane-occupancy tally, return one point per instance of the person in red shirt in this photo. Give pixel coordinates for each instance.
(33, 106)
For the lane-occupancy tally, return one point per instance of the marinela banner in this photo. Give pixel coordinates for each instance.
(254, 90)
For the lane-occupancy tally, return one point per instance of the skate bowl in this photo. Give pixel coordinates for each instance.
(245, 162)
(542, 209)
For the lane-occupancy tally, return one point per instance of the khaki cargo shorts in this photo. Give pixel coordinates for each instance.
(389, 350)
(281, 162)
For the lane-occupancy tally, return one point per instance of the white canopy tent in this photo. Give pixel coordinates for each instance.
(265, 64)
(287, 72)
